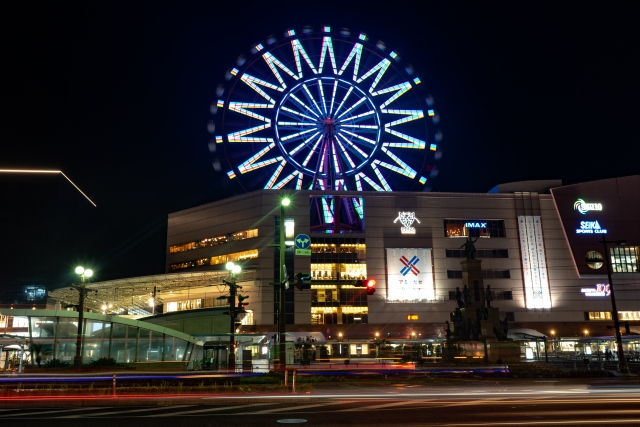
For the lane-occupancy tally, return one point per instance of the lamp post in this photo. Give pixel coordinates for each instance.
(234, 270)
(282, 267)
(614, 309)
(82, 290)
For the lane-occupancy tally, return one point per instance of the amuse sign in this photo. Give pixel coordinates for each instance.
(588, 227)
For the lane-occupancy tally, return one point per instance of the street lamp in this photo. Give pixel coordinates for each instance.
(82, 290)
(616, 321)
(586, 333)
(234, 270)
(283, 278)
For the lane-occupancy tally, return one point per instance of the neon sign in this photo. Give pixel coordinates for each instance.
(584, 207)
(590, 227)
(407, 219)
(475, 224)
(601, 290)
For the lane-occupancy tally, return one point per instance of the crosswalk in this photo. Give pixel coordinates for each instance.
(206, 410)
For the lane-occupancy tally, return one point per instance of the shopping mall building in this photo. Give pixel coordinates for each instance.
(538, 241)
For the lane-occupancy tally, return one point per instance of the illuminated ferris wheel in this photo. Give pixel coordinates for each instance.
(325, 110)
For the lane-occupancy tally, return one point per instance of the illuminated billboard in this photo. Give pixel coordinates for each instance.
(409, 275)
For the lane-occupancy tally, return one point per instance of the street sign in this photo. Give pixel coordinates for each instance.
(303, 252)
(302, 242)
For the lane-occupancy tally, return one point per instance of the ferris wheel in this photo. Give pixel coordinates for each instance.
(327, 110)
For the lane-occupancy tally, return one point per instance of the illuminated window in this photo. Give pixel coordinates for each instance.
(220, 259)
(356, 271)
(473, 228)
(487, 274)
(624, 259)
(212, 241)
(600, 315)
(412, 317)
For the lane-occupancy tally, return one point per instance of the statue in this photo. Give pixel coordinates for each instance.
(467, 296)
(459, 297)
(469, 248)
(487, 296)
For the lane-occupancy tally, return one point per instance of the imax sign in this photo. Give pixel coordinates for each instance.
(475, 224)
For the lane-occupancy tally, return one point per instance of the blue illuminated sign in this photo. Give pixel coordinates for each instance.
(475, 224)
(590, 227)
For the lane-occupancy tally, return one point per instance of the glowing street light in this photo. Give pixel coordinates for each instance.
(82, 290)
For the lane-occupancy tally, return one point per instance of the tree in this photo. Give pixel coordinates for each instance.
(305, 348)
(38, 350)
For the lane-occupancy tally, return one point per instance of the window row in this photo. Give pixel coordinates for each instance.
(606, 315)
(343, 248)
(346, 315)
(343, 296)
(497, 295)
(474, 228)
(212, 241)
(487, 274)
(480, 253)
(215, 260)
(356, 271)
(625, 259)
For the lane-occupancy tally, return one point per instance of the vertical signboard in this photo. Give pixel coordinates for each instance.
(534, 265)
(409, 275)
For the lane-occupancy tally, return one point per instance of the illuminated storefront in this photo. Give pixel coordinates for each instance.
(129, 342)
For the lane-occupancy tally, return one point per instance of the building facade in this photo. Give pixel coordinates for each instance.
(537, 244)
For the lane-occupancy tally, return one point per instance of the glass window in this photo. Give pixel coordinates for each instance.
(216, 260)
(624, 259)
(356, 271)
(474, 228)
(212, 241)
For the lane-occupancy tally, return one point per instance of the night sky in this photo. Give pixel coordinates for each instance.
(117, 95)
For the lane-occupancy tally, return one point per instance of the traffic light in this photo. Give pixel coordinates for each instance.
(303, 281)
(371, 286)
(231, 284)
(241, 304)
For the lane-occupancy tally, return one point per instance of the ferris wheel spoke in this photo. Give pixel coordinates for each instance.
(360, 101)
(304, 144)
(355, 135)
(293, 112)
(297, 135)
(343, 100)
(275, 175)
(354, 148)
(305, 106)
(306, 89)
(251, 164)
(362, 116)
(287, 125)
(324, 104)
(333, 97)
(312, 151)
(345, 154)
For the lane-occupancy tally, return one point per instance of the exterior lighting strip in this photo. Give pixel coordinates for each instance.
(45, 171)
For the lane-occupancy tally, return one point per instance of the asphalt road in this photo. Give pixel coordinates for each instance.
(543, 402)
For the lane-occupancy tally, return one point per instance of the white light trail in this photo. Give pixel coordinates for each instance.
(50, 172)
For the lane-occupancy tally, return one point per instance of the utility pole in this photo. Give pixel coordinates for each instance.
(622, 363)
(283, 283)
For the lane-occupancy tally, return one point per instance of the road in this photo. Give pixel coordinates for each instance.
(534, 403)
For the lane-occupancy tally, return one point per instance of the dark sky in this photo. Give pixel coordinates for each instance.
(117, 95)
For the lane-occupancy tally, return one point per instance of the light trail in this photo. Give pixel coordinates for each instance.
(50, 172)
